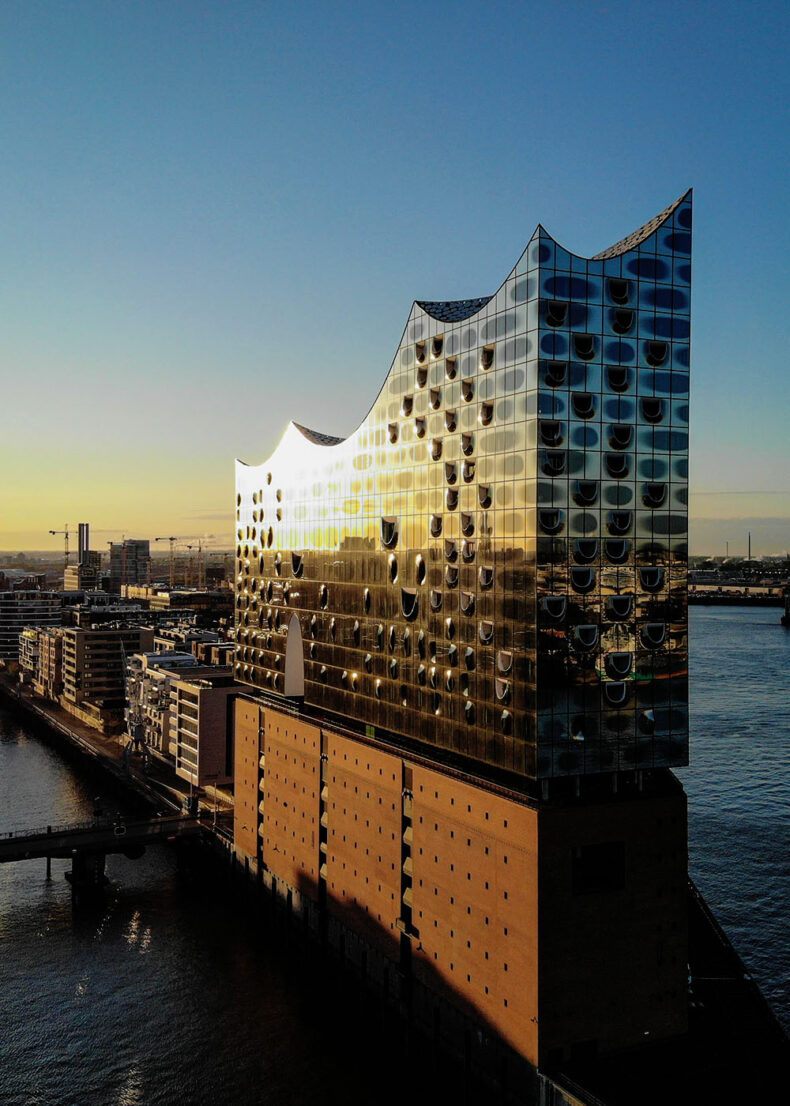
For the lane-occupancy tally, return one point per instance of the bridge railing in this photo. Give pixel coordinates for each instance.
(92, 826)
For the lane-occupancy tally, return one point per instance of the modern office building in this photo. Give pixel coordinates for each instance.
(94, 671)
(201, 724)
(20, 609)
(463, 631)
(130, 563)
(148, 700)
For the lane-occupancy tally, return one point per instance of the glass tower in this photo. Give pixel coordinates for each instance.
(494, 563)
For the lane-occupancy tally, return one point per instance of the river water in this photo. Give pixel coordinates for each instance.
(170, 994)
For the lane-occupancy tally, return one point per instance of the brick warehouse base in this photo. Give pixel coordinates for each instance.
(555, 928)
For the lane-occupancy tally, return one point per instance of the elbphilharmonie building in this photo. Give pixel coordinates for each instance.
(462, 635)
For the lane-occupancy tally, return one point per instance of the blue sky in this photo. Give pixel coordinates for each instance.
(210, 212)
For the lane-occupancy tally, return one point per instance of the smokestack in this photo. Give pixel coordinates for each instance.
(84, 542)
(750, 546)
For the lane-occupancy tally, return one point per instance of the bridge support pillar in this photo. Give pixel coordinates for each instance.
(87, 872)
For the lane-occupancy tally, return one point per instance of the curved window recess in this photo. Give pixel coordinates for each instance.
(617, 378)
(449, 628)
(422, 376)
(451, 549)
(409, 603)
(261, 563)
(651, 578)
(368, 662)
(585, 492)
(437, 703)
(618, 522)
(469, 713)
(556, 373)
(616, 465)
(419, 352)
(313, 650)
(437, 345)
(436, 448)
(583, 405)
(377, 689)
(392, 639)
(583, 580)
(584, 346)
(436, 526)
(380, 636)
(468, 550)
(618, 665)
(393, 567)
(344, 679)
(620, 435)
(279, 495)
(422, 675)
(313, 626)
(619, 607)
(436, 398)
(551, 432)
(323, 596)
(276, 680)
(389, 531)
(468, 471)
(656, 353)
(653, 635)
(484, 496)
(504, 661)
(652, 408)
(467, 444)
(486, 577)
(333, 629)
(392, 432)
(432, 677)
(393, 668)
(451, 576)
(467, 523)
(550, 520)
(269, 591)
(467, 602)
(469, 659)
(451, 368)
(468, 390)
(554, 462)
(622, 320)
(322, 674)
(486, 633)
(554, 606)
(452, 655)
(278, 564)
(436, 600)
(420, 427)
(506, 723)
(354, 681)
(654, 495)
(366, 600)
(450, 471)
(487, 357)
(421, 643)
(268, 478)
(356, 633)
(502, 690)
(286, 594)
(407, 642)
(556, 313)
(419, 569)
(617, 550)
(486, 413)
(451, 499)
(647, 722)
(407, 406)
(450, 420)
(618, 290)
(586, 637)
(616, 694)
(278, 514)
(297, 564)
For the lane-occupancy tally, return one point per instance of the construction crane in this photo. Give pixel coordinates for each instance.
(65, 533)
(172, 541)
(201, 566)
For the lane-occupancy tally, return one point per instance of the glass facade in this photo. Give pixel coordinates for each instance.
(495, 561)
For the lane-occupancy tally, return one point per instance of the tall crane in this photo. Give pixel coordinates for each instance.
(172, 541)
(65, 533)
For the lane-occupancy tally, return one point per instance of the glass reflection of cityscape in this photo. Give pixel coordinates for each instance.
(494, 562)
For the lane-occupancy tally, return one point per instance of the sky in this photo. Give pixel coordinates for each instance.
(211, 213)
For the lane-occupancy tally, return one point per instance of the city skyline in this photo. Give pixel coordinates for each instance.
(189, 186)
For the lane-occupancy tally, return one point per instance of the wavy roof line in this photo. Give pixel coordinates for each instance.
(639, 236)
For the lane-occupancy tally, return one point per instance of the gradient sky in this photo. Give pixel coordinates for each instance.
(215, 216)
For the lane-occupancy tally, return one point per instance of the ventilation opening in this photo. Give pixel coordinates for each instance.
(554, 462)
(407, 643)
(656, 353)
(436, 526)
(451, 368)
(467, 389)
(468, 471)
(436, 398)
(616, 694)
(407, 406)
(469, 713)
(366, 600)
(422, 676)
(586, 637)
(467, 602)
(419, 427)
(554, 606)
(652, 578)
(436, 448)
(468, 552)
(437, 345)
(618, 665)
(419, 352)
(617, 550)
(450, 420)
(392, 432)
(619, 522)
(653, 635)
(451, 499)
(409, 603)
(617, 378)
(487, 357)
(551, 433)
(450, 472)
(486, 632)
(620, 436)
(550, 520)
(451, 576)
(556, 313)
(582, 580)
(556, 373)
(449, 628)
(619, 607)
(584, 346)
(652, 409)
(585, 493)
(618, 290)
(393, 567)
(297, 564)
(622, 320)
(484, 495)
(467, 523)
(654, 495)
(420, 570)
(504, 661)
(451, 549)
(467, 444)
(486, 577)
(389, 531)
(323, 596)
(422, 376)
(436, 600)
(617, 465)
(583, 405)
(486, 413)
(356, 633)
(502, 690)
